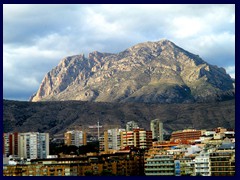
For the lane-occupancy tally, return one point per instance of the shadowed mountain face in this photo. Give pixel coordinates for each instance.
(156, 72)
(57, 117)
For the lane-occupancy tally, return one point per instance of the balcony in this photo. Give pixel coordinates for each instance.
(160, 174)
(159, 169)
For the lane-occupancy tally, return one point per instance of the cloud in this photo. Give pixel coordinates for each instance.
(37, 37)
(231, 71)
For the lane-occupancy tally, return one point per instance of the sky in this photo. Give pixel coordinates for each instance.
(37, 37)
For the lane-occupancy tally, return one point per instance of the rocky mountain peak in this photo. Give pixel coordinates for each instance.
(159, 72)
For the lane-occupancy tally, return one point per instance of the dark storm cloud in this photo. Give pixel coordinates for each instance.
(37, 37)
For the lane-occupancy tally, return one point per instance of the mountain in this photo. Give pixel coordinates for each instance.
(57, 117)
(156, 72)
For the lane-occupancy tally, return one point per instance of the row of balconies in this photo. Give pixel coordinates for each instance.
(202, 170)
(160, 163)
(159, 169)
(159, 174)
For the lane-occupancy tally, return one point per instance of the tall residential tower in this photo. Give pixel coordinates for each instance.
(156, 127)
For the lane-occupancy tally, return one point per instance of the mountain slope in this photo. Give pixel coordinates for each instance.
(156, 72)
(57, 117)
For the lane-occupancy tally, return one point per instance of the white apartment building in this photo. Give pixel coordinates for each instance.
(32, 145)
(112, 139)
(202, 164)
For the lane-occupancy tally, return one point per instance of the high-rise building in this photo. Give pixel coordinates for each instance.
(137, 138)
(131, 125)
(142, 138)
(127, 139)
(156, 127)
(10, 144)
(112, 139)
(75, 137)
(33, 145)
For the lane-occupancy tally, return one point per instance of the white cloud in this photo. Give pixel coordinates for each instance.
(185, 27)
(231, 71)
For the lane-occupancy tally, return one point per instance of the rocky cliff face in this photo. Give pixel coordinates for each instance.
(156, 72)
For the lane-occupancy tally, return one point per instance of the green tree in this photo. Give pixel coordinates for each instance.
(88, 173)
(106, 172)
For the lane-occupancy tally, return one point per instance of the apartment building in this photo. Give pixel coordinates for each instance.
(112, 139)
(223, 160)
(156, 127)
(138, 138)
(32, 145)
(160, 165)
(75, 137)
(127, 139)
(187, 134)
(202, 164)
(124, 163)
(10, 143)
(186, 166)
(131, 125)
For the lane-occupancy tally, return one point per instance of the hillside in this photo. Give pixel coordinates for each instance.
(57, 117)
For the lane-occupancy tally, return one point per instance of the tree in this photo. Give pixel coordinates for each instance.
(88, 173)
(106, 172)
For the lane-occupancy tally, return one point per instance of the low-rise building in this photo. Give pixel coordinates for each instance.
(160, 165)
(187, 166)
(187, 134)
(125, 163)
(223, 160)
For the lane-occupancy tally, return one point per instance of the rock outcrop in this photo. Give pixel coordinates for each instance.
(156, 72)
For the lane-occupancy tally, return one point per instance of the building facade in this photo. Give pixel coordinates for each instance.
(156, 127)
(202, 165)
(187, 134)
(222, 163)
(10, 144)
(112, 139)
(131, 125)
(75, 137)
(32, 145)
(160, 165)
(138, 138)
(121, 163)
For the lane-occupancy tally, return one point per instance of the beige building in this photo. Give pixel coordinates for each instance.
(75, 137)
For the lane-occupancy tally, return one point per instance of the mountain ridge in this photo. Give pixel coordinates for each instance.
(158, 72)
